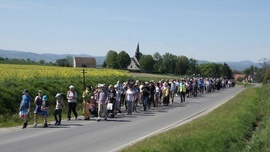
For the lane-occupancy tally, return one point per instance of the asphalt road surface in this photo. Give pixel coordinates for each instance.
(113, 134)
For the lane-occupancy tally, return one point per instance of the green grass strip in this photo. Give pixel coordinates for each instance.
(228, 128)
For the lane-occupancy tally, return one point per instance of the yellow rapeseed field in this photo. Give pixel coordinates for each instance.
(26, 72)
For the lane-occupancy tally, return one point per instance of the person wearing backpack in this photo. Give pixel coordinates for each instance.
(58, 108)
(38, 102)
(25, 107)
(72, 102)
(45, 110)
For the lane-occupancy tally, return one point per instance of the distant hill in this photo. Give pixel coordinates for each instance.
(46, 56)
(239, 66)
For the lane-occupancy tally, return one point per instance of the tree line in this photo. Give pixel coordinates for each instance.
(169, 64)
(64, 62)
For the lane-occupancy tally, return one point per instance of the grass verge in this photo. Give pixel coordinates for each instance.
(235, 126)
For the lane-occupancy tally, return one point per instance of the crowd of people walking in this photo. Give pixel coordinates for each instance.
(103, 101)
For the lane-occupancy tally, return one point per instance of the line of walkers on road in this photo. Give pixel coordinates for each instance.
(106, 101)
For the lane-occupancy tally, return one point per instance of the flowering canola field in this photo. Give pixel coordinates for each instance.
(35, 72)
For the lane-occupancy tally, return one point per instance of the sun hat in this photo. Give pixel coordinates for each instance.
(40, 91)
(71, 86)
(102, 85)
(58, 95)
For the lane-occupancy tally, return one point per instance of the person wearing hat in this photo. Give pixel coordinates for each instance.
(45, 110)
(38, 102)
(86, 101)
(58, 109)
(102, 98)
(72, 102)
(25, 107)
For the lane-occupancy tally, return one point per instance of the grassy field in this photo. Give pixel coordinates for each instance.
(242, 124)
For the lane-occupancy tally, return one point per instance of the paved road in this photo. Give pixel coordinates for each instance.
(81, 135)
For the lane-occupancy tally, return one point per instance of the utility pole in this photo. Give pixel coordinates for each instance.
(83, 72)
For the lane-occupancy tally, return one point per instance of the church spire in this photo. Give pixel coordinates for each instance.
(137, 53)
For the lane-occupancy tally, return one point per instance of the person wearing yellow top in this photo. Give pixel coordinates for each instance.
(166, 94)
(86, 101)
(182, 90)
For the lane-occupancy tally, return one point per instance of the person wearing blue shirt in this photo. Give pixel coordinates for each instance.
(25, 107)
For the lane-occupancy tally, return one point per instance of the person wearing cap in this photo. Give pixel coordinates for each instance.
(38, 102)
(58, 109)
(72, 102)
(25, 107)
(86, 101)
(102, 98)
(45, 110)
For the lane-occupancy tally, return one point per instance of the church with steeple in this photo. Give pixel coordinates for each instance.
(134, 61)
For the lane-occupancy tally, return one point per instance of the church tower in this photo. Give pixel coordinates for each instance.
(137, 53)
(134, 61)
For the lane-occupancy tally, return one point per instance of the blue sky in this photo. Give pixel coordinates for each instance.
(213, 30)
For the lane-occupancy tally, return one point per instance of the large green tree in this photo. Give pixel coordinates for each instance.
(157, 62)
(69, 58)
(181, 65)
(63, 62)
(123, 60)
(168, 63)
(147, 63)
(210, 70)
(193, 66)
(111, 59)
(227, 71)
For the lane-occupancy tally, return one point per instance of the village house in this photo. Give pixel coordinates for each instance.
(86, 62)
